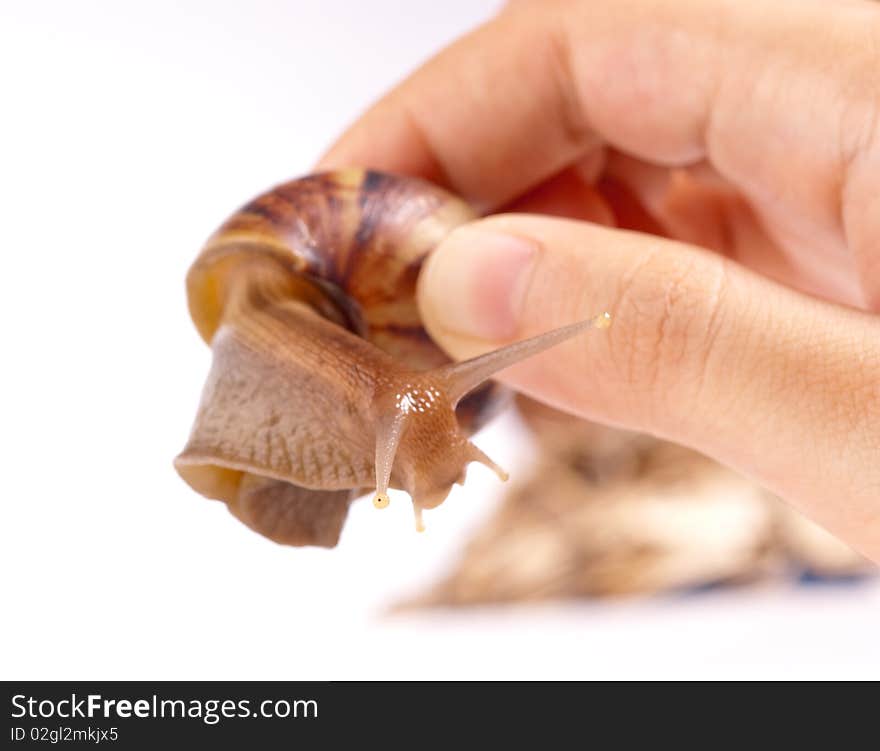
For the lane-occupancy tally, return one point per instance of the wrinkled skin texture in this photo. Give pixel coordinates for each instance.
(299, 414)
(711, 168)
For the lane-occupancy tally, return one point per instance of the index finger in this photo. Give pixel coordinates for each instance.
(779, 98)
(459, 120)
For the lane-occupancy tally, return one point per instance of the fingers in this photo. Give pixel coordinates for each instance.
(694, 205)
(492, 115)
(570, 194)
(779, 385)
(780, 97)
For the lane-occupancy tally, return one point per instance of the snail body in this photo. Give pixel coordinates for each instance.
(323, 383)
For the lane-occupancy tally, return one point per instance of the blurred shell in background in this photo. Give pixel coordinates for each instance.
(606, 512)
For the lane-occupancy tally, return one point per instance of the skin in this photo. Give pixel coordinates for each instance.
(708, 171)
(299, 415)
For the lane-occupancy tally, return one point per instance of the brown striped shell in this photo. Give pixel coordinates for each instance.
(358, 236)
(324, 383)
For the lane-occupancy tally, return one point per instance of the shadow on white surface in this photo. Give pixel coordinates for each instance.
(130, 131)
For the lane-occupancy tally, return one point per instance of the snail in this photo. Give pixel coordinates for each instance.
(323, 383)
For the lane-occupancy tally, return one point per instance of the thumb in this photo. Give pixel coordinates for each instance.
(779, 385)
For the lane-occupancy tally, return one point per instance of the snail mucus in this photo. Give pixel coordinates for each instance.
(323, 384)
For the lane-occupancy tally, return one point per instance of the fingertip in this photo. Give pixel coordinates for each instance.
(474, 284)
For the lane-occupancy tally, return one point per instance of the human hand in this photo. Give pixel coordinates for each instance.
(717, 165)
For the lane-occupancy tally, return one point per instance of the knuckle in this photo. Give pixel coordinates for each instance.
(668, 316)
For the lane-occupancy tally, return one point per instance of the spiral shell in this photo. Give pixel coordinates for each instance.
(358, 236)
(348, 244)
(323, 382)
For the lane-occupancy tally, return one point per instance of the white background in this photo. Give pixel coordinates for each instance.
(127, 132)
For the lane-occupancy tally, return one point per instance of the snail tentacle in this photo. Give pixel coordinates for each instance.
(463, 377)
(323, 381)
(389, 430)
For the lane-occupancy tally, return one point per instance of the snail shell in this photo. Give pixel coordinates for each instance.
(324, 383)
(354, 240)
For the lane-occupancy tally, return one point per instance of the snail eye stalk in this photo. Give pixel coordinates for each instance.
(317, 387)
(455, 381)
(463, 377)
(389, 430)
